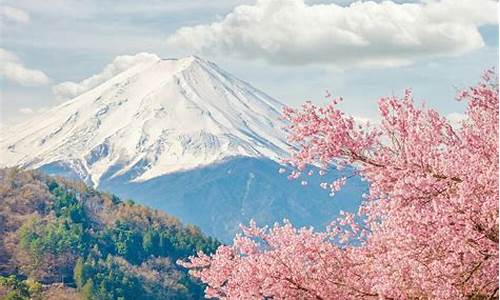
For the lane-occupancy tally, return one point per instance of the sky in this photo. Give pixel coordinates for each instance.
(294, 50)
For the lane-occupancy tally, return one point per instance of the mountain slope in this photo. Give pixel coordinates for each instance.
(158, 117)
(183, 136)
(61, 234)
(219, 197)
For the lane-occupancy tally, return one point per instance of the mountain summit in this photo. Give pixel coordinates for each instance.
(179, 135)
(157, 117)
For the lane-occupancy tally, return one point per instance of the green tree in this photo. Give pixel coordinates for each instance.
(87, 291)
(150, 243)
(81, 273)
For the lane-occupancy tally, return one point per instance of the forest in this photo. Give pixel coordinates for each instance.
(60, 239)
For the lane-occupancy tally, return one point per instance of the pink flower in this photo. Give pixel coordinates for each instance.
(428, 226)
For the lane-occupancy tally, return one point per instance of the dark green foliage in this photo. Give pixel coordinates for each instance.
(81, 273)
(39, 238)
(106, 248)
(127, 242)
(67, 205)
(114, 283)
(115, 278)
(151, 242)
(115, 199)
(136, 245)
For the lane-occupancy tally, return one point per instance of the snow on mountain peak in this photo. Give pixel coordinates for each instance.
(147, 118)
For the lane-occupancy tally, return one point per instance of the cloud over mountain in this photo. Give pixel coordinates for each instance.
(68, 89)
(363, 34)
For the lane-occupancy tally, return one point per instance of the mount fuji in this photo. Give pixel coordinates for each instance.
(181, 135)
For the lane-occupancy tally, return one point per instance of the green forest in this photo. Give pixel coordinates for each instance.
(60, 239)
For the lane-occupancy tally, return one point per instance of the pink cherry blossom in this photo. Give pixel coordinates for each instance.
(427, 229)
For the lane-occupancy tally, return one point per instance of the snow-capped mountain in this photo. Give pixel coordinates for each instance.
(180, 135)
(158, 117)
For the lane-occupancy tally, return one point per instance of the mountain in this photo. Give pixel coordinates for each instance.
(180, 135)
(155, 118)
(219, 197)
(60, 239)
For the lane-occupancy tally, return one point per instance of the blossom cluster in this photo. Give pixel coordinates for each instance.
(427, 229)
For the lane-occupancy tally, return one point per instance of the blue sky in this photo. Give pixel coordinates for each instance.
(292, 50)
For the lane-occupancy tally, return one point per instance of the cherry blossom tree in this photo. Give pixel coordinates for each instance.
(427, 229)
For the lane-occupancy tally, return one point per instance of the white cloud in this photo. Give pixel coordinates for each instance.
(67, 90)
(14, 14)
(363, 34)
(13, 70)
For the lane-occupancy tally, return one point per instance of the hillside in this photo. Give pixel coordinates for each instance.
(60, 239)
